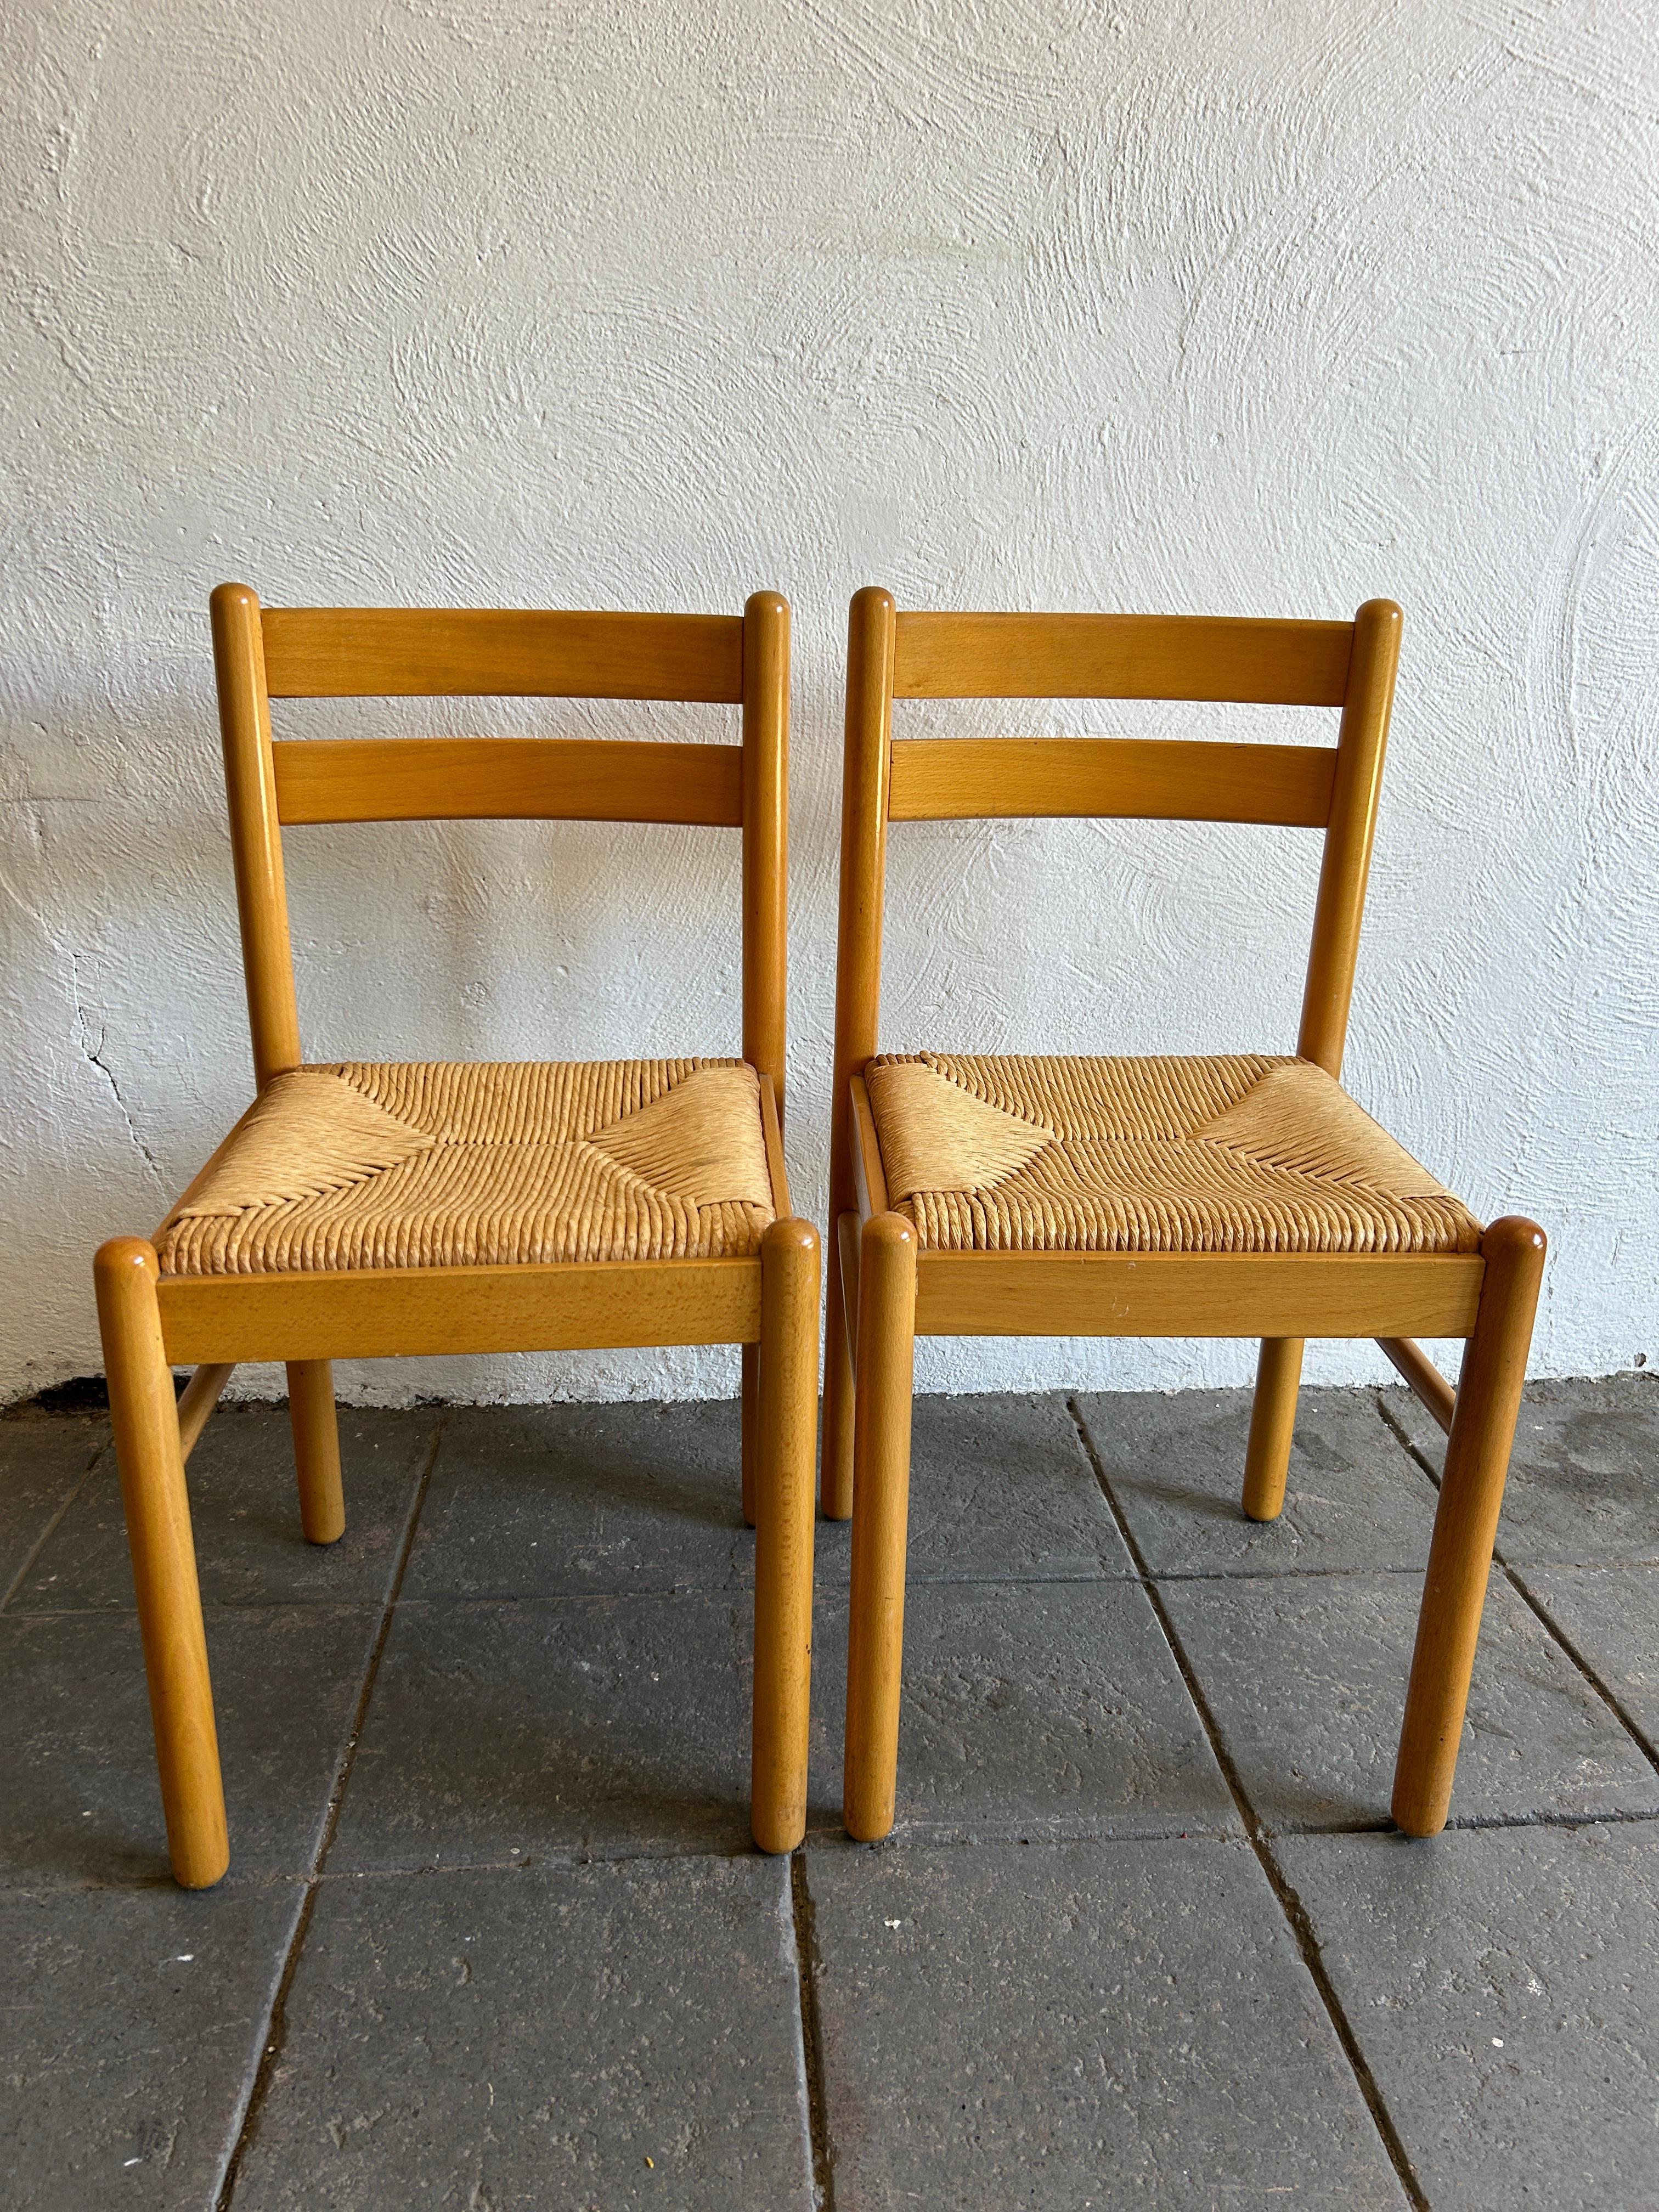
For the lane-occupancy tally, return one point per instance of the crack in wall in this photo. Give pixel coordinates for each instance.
(93, 1055)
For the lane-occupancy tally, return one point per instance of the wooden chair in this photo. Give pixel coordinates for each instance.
(1241, 1195)
(364, 1211)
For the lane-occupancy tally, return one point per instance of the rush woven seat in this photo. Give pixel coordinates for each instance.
(463, 1164)
(1240, 1153)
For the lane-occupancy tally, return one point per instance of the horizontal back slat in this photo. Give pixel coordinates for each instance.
(382, 653)
(1151, 779)
(507, 779)
(1208, 657)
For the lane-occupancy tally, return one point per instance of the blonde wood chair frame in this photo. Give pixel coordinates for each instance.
(883, 1291)
(768, 1304)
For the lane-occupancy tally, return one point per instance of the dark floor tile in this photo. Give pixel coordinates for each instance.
(1001, 1489)
(1306, 1680)
(561, 1501)
(511, 1729)
(245, 1514)
(1040, 1709)
(1583, 1485)
(583, 2036)
(1086, 2024)
(43, 1458)
(81, 1801)
(1504, 1989)
(1610, 1616)
(134, 2020)
(1354, 1499)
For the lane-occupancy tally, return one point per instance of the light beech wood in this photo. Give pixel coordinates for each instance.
(358, 652)
(1428, 1384)
(1466, 1525)
(858, 983)
(1273, 1423)
(306, 1320)
(765, 835)
(1280, 1298)
(783, 1533)
(144, 1416)
(256, 836)
(1150, 779)
(506, 780)
(201, 1394)
(1197, 656)
(387, 1313)
(316, 1449)
(875, 1649)
(1268, 1294)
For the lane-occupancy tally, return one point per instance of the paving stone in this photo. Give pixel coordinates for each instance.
(561, 1501)
(1030, 1708)
(1354, 1499)
(1001, 1490)
(1583, 1487)
(244, 1511)
(1610, 1616)
(1504, 1989)
(506, 1730)
(1306, 1680)
(530, 2039)
(43, 1458)
(1079, 2025)
(133, 2024)
(81, 1801)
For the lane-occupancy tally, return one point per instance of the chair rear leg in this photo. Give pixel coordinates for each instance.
(1466, 1524)
(881, 1512)
(750, 1403)
(1273, 1423)
(835, 1478)
(144, 1415)
(316, 1449)
(786, 1425)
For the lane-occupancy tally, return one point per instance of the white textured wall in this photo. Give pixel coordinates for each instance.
(1246, 309)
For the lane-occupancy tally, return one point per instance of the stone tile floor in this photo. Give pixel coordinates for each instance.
(493, 1936)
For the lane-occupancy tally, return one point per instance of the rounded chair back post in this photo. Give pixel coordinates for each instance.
(766, 835)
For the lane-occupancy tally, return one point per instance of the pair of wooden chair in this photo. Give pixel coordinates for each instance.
(370, 1210)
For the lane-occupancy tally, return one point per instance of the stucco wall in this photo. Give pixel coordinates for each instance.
(1246, 309)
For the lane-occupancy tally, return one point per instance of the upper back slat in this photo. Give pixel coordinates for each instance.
(1196, 657)
(356, 653)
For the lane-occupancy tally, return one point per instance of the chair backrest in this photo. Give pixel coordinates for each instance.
(262, 653)
(1350, 666)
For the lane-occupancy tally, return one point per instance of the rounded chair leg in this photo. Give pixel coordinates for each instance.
(1273, 1423)
(786, 1425)
(836, 1477)
(144, 1416)
(316, 1430)
(881, 1512)
(1466, 1524)
(751, 1417)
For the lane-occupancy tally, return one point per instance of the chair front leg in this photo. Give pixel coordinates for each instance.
(1273, 1423)
(881, 1512)
(316, 1428)
(785, 1422)
(144, 1416)
(1466, 1524)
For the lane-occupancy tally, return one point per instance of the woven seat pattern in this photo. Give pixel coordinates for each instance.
(1234, 1153)
(445, 1164)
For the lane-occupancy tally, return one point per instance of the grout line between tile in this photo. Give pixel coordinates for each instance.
(275, 2034)
(1558, 1636)
(1290, 1903)
(51, 1529)
(810, 1966)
